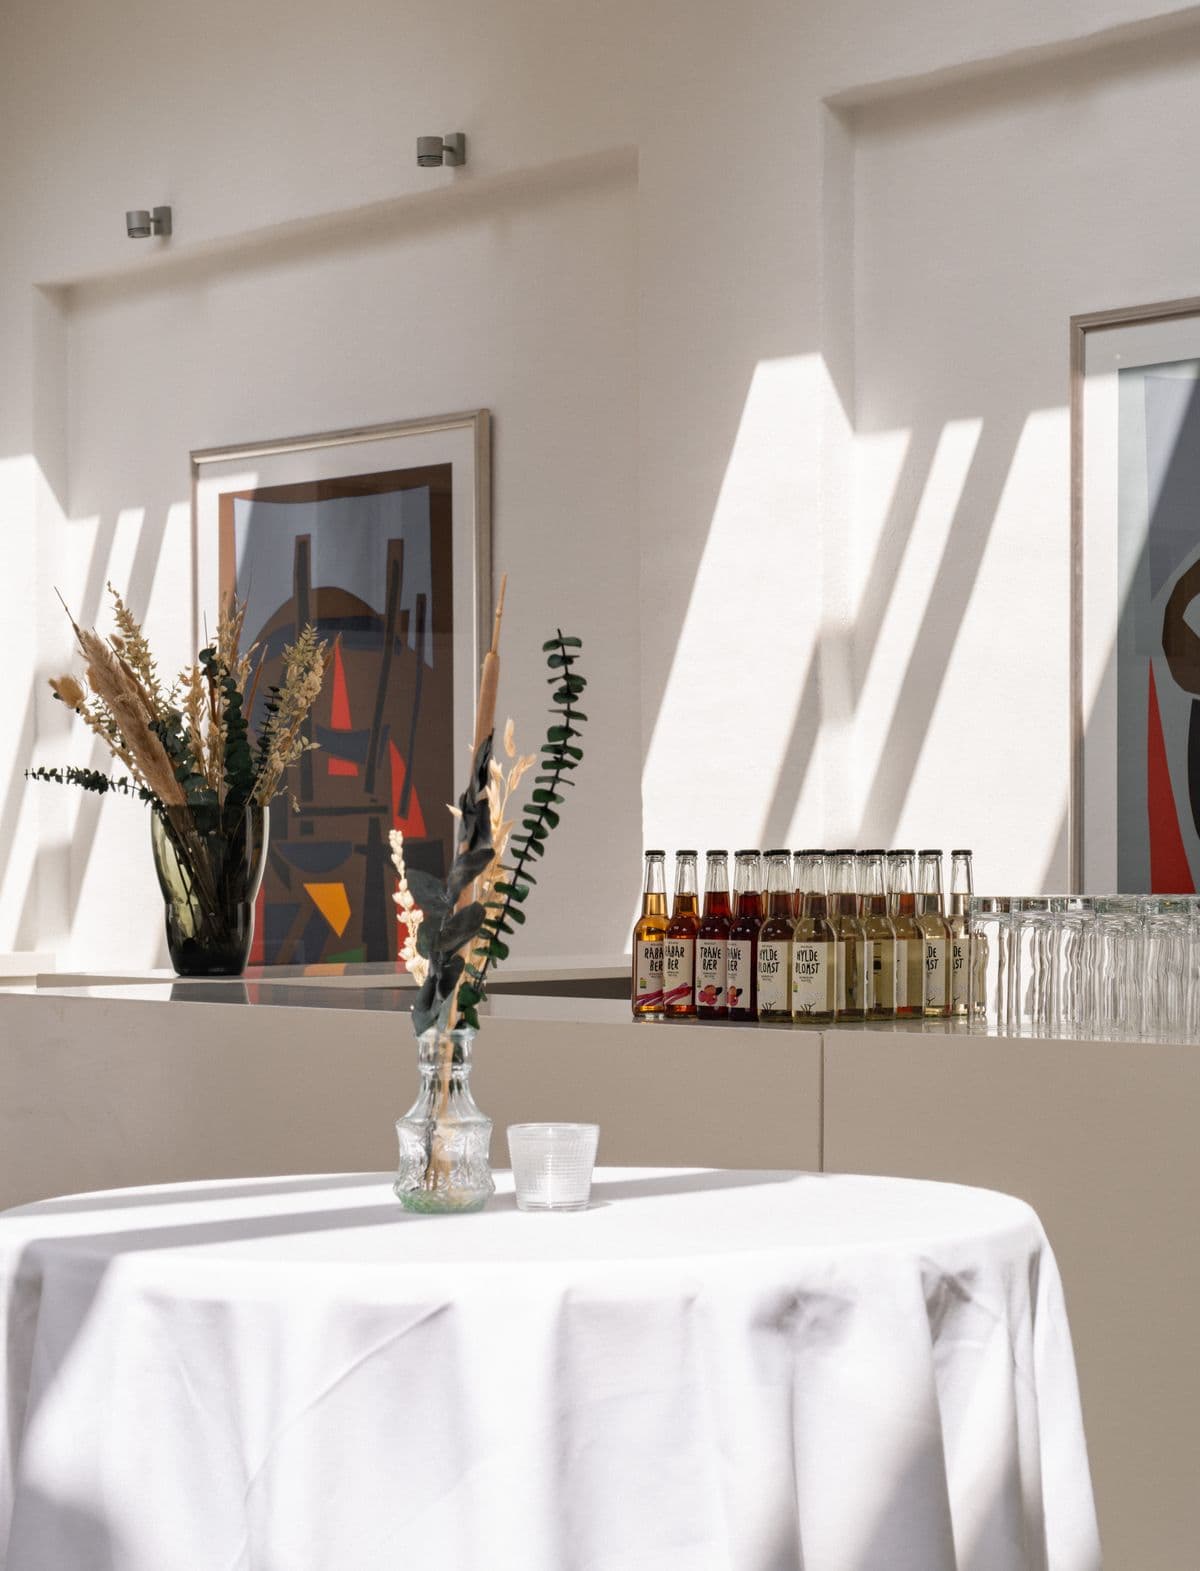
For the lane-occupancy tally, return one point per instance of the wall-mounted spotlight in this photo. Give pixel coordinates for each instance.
(140, 224)
(435, 150)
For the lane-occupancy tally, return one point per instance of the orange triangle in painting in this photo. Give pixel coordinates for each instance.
(332, 901)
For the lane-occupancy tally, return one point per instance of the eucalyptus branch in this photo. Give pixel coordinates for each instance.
(560, 757)
(90, 780)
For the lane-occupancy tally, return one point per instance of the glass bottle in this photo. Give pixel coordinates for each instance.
(648, 937)
(935, 934)
(741, 984)
(679, 947)
(961, 889)
(910, 945)
(814, 945)
(775, 941)
(880, 934)
(853, 949)
(712, 940)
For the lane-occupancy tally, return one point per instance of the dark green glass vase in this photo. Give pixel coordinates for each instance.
(209, 874)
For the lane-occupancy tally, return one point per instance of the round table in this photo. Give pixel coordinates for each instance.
(705, 1371)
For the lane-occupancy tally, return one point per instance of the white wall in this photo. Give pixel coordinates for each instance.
(986, 214)
(718, 322)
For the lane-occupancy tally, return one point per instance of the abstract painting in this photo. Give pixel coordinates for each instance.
(336, 533)
(1158, 650)
(1136, 622)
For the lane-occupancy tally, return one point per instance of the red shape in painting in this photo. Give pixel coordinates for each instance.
(339, 718)
(412, 827)
(1169, 870)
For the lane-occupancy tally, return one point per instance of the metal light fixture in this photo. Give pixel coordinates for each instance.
(140, 224)
(435, 150)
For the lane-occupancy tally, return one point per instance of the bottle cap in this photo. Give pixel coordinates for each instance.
(873, 852)
(717, 853)
(904, 851)
(656, 853)
(846, 851)
(754, 852)
(960, 852)
(687, 852)
(810, 852)
(934, 851)
(778, 852)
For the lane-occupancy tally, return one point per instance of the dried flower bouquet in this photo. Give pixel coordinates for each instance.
(454, 930)
(187, 749)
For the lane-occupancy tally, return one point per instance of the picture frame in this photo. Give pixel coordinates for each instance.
(380, 537)
(1134, 807)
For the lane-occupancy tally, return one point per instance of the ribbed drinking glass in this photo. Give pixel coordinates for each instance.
(991, 962)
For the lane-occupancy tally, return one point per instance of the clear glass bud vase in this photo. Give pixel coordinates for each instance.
(444, 1138)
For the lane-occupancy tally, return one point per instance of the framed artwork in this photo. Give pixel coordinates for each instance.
(381, 538)
(1135, 585)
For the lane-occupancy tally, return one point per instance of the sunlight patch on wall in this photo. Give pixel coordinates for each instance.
(932, 522)
(750, 631)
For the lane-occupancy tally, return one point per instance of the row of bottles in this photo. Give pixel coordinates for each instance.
(848, 935)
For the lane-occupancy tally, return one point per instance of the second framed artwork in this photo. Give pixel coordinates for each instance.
(381, 539)
(1135, 668)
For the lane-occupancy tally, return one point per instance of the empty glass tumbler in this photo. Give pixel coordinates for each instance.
(1074, 964)
(552, 1165)
(1166, 936)
(991, 962)
(1118, 966)
(1032, 977)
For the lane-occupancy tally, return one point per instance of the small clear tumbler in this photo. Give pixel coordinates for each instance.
(552, 1165)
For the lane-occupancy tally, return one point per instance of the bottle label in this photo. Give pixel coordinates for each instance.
(811, 990)
(648, 976)
(679, 971)
(773, 978)
(901, 973)
(960, 973)
(737, 973)
(710, 973)
(935, 973)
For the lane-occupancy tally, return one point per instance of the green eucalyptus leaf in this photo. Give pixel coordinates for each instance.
(429, 893)
(465, 869)
(461, 927)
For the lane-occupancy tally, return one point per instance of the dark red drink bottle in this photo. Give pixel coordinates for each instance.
(741, 968)
(712, 940)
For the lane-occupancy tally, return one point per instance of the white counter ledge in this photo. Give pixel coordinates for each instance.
(129, 1082)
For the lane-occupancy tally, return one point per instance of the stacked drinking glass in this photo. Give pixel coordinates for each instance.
(1109, 966)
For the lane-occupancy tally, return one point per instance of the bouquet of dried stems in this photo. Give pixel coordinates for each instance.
(188, 751)
(453, 930)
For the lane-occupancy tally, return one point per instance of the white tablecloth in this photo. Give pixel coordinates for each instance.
(703, 1372)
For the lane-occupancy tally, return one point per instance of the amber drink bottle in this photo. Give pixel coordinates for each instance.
(935, 934)
(741, 973)
(814, 947)
(853, 946)
(712, 940)
(679, 947)
(961, 890)
(775, 942)
(880, 934)
(910, 945)
(649, 935)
